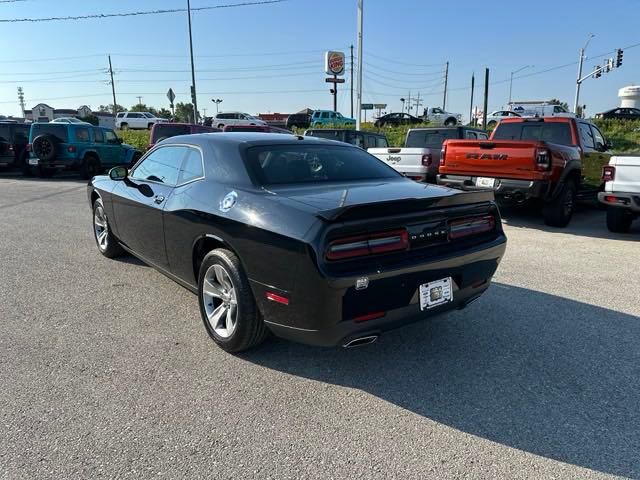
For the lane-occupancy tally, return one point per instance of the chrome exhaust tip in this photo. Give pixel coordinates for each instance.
(360, 341)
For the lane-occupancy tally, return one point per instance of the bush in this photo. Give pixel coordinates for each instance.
(623, 134)
(136, 138)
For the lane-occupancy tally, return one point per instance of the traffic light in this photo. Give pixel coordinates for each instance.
(619, 54)
(598, 71)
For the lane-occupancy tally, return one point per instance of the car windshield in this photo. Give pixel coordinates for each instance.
(287, 164)
(58, 130)
(552, 132)
(429, 138)
(166, 130)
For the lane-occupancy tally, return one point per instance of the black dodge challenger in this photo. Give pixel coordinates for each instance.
(314, 240)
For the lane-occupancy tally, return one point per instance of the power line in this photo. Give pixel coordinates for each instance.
(282, 66)
(138, 13)
(404, 63)
(396, 72)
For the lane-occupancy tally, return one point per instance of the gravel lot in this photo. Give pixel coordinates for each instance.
(107, 372)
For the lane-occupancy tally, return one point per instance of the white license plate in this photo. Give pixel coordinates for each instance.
(485, 182)
(436, 293)
(33, 161)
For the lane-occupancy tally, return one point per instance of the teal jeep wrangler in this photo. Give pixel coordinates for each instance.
(78, 147)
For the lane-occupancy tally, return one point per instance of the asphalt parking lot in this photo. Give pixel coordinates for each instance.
(107, 372)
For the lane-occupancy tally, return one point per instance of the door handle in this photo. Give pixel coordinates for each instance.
(158, 199)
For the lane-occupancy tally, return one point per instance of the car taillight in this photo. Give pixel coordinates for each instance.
(543, 159)
(427, 160)
(369, 244)
(471, 226)
(608, 173)
(11, 147)
(443, 153)
(71, 149)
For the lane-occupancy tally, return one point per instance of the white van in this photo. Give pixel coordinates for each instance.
(541, 109)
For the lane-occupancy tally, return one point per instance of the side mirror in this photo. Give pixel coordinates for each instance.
(118, 173)
(608, 145)
(120, 141)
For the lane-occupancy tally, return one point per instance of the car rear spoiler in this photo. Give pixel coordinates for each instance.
(405, 206)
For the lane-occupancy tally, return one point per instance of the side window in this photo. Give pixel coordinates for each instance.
(586, 136)
(191, 166)
(82, 135)
(162, 166)
(121, 115)
(599, 139)
(134, 115)
(110, 136)
(470, 135)
(98, 135)
(558, 109)
(482, 136)
(381, 142)
(325, 114)
(332, 114)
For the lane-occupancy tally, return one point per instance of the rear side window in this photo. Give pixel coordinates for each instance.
(586, 136)
(20, 133)
(328, 134)
(552, 132)
(381, 142)
(191, 166)
(82, 135)
(429, 138)
(4, 133)
(98, 135)
(286, 164)
(57, 130)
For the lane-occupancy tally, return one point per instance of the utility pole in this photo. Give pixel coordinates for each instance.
(194, 100)
(578, 82)
(334, 91)
(351, 81)
(139, 100)
(359, 94)
(21, 100)
(409, 102)
(402, 101)
(418, 103)
(113, 87)
(486, 97)
(472, 120)
(446, 81)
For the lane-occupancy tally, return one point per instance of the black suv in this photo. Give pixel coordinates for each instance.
(14, 138)
(360, 138)
(299, 120)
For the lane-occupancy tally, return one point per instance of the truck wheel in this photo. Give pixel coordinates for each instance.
(450, 122)
(558, 212)
(90, 167)
(619, 220)
(227, 305)
(150, 126)
(221, 126)
(124, 126)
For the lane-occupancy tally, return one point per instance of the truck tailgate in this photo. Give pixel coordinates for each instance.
(627, 175)
(499, 158)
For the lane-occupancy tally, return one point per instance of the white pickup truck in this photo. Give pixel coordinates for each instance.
(437, 116)
(621, 192)
(419, 159)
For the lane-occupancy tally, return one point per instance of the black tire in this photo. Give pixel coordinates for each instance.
(124, 126)
(492, 124)
(46, 172)
(44, 147)
(221, 126)
(450, 122)
(558, 212)
(249, 329)
(90, 167)
(107, 246)
(619, 220)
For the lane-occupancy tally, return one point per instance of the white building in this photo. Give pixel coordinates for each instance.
(629, 96)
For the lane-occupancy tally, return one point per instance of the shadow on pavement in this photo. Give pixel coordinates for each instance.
(587, 221)
(536, 372)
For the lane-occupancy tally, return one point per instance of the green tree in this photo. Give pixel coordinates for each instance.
(142, 107)
(109, 108)
(184, 112)
(164, 113)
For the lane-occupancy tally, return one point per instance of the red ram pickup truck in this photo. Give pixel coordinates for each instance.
(552, 160)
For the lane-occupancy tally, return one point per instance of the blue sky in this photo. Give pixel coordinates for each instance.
(270, 58)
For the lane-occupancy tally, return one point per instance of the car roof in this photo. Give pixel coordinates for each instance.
(246, 138)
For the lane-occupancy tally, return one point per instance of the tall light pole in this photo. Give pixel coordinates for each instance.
(511, 80)
(580, 62)
(194, 101)
(217, 101)
(359, 93)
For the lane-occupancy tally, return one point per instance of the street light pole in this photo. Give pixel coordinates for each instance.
(217, 101)
(359, 92)
(193, 70)
(511, 80)
(578, 82)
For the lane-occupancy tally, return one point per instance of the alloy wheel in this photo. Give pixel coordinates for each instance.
(101, 228)
(220, 301)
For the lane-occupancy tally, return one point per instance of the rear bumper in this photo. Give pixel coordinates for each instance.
(504, 188)
(628, 201)
(420, 173)
(57, 163)
(325, 312)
